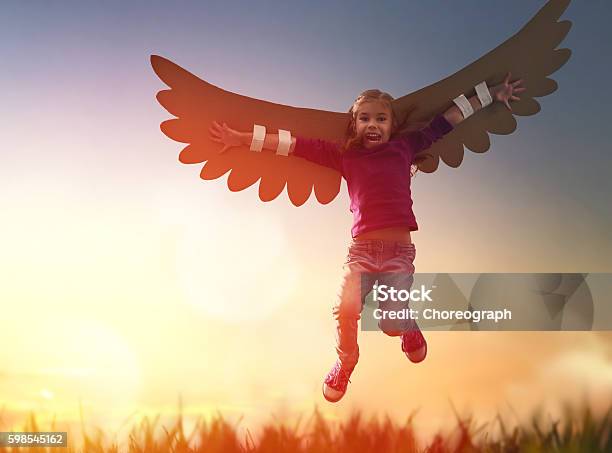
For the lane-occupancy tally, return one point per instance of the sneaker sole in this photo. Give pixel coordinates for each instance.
(418, 361)
(328, 399)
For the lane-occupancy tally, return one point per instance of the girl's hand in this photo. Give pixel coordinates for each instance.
(505, 91)
(223, 134)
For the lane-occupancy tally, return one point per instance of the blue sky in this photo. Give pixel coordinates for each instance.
(80, 74)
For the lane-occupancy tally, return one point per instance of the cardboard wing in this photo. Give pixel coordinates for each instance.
(530, 55)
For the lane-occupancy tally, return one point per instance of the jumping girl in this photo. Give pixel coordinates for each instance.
(376, 162)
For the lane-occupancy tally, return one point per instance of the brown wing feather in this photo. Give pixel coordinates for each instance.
(196, 103)
(530, 55)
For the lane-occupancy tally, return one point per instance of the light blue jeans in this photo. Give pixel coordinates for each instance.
(365, 260)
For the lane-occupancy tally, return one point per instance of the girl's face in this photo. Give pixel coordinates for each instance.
(373, 123)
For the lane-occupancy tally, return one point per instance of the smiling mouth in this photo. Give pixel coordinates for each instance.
(372, 137)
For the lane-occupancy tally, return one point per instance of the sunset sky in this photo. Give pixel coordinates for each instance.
(126, 280)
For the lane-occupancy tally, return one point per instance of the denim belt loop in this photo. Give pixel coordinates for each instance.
(367, 245)
(378, 245)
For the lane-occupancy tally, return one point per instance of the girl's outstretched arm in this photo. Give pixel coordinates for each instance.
(317, 151)
(230, 138)
(504, 92)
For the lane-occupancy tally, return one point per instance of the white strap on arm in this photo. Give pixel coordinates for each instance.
(464, 105)
(284, 142)
(484, 95)
(259, 135)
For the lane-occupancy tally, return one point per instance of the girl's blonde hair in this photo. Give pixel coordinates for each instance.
(350, 136)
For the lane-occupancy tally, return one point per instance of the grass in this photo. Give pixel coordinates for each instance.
(578, 431)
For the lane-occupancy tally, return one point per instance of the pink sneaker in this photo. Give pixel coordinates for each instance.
(414, 345)
(336, 381)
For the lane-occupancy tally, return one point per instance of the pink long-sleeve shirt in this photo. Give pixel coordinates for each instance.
(378, 178)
